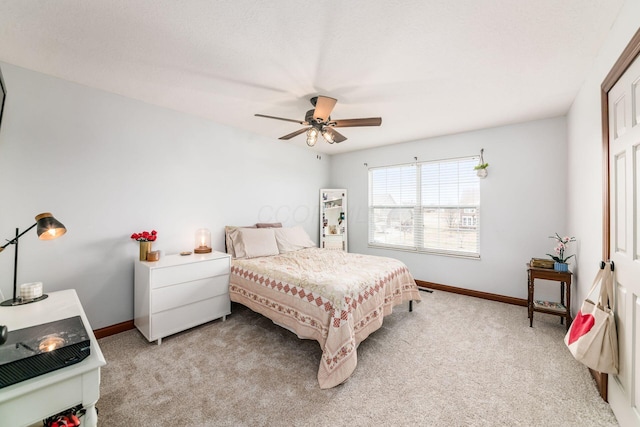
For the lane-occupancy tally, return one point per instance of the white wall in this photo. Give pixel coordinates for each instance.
(522, 202)
(108, 166)
(584, 133)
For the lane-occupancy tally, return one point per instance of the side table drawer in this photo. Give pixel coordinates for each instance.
(188, 272)
(180, 294)
(178, 319)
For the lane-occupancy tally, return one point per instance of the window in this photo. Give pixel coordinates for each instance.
(426, 207)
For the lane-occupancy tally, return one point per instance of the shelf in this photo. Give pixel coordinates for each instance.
(333, 219)
(332, 200)
(551, 306)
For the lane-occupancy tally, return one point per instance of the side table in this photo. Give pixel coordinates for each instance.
(179, 292)
(559, 309)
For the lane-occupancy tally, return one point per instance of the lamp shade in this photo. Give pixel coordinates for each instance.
(203, 241)
(48, 227)
(327, 135)
(312, 136)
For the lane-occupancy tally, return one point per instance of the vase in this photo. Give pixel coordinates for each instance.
(145, 248)
(560, 266)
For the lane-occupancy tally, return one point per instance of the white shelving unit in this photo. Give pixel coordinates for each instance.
(333, 219)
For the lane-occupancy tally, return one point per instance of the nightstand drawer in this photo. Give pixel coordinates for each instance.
(190, 315)
(188, 272)
(169, 297)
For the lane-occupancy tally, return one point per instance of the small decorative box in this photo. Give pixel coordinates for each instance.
(153, 256)
(31, 290)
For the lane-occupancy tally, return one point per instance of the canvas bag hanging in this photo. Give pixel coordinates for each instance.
(592, 338)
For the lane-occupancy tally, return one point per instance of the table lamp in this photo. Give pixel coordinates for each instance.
(49, 228)
(203, 241)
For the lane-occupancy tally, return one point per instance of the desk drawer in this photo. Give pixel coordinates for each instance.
(169, 297)
(188, 272)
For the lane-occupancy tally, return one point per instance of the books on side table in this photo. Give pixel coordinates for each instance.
(541, 263)
(549, 305)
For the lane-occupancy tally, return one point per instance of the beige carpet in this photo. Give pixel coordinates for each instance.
(453, 361)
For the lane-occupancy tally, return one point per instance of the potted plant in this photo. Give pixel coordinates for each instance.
(481, 169)
(559, 258)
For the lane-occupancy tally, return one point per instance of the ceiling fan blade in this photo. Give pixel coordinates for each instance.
(336, 136)
(371, 121)
(280, 118)
(324, 107)
(296, 133)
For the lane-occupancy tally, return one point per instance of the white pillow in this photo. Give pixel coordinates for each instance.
(292, 239)
(254, 242)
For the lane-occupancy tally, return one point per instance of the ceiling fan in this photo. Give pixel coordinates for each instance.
(319, 121)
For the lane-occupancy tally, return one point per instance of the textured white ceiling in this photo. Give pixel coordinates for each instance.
(427, 67)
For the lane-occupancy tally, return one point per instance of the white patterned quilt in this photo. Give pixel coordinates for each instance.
(334, 297)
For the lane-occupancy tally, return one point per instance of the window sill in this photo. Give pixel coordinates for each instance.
(426, 252)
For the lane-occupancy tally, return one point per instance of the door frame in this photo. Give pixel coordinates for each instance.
(626, 58)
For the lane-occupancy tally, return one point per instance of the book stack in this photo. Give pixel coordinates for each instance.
(549, 305)
(541, 263)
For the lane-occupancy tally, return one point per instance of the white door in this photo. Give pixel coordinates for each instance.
(624, 179)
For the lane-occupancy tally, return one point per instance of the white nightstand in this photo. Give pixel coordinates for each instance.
(180, 292)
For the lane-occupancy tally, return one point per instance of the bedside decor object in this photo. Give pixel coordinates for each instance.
(559, 258)
(145, 238)
(203, 241)
(185, 253)
(31, 290)
(153, 256)
(48, 228)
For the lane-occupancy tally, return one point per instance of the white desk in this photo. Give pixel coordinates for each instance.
(33, 400)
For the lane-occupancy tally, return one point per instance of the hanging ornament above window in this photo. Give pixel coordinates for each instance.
(481, 168)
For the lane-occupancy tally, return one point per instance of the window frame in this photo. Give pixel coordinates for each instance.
(418, 210)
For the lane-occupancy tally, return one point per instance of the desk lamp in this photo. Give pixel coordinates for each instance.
(48, 228)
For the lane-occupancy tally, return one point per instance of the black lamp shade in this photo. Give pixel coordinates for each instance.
(48, 227)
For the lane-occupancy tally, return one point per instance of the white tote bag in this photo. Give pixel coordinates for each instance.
(592, 338)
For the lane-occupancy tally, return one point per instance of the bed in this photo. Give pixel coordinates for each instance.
(333, 297)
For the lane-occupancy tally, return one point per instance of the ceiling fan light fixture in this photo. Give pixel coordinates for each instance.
(327, 135)
(312, 137)
(319, 125)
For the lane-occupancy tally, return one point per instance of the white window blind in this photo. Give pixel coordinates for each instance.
(428, 207)
(392, 205)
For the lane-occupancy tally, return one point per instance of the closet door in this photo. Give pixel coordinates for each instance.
(624, 238)
(333, 219)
